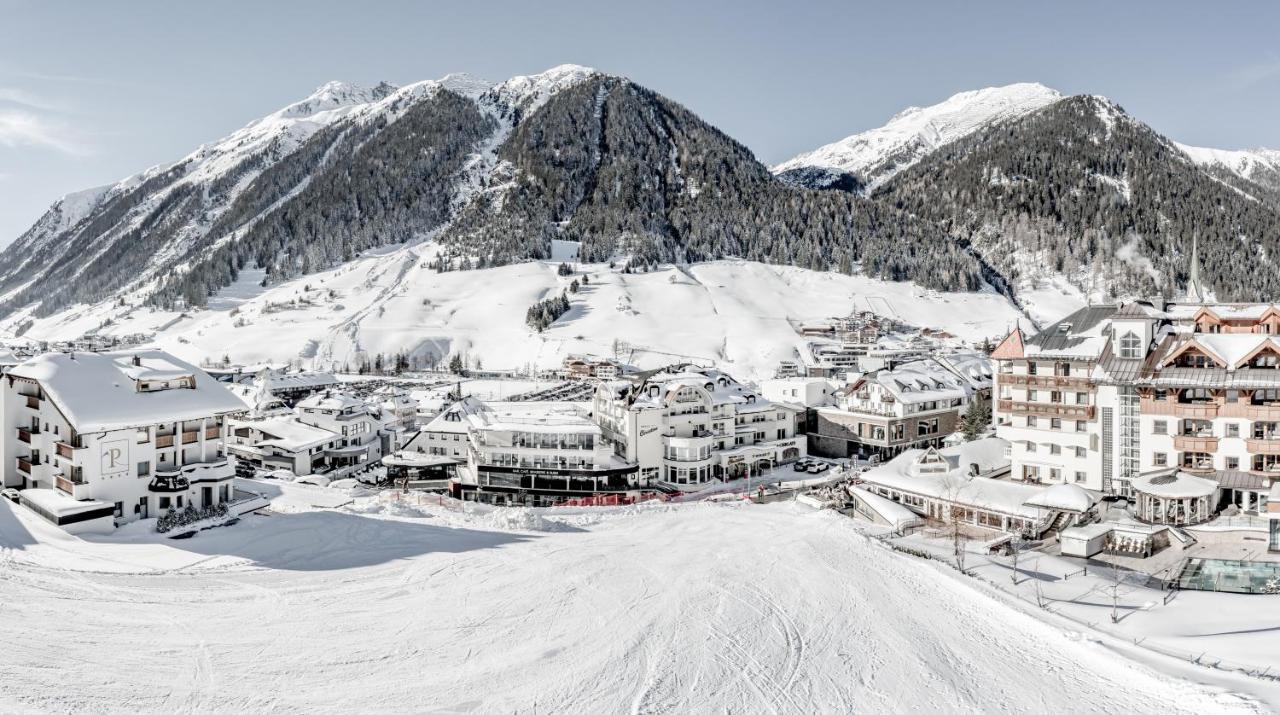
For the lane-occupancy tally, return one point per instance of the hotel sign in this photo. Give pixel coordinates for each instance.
(115, 457)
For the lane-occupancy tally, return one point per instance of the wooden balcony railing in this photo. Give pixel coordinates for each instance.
(1249, 411)
(33, 402)
(189, 437)
(1080, 382)
(24, 465)
(65, 450)
(212, 432)
(1262, 446)
(1047, 409)
(24, 435)
(1189, 410)
(1188, 443)
(164, 440)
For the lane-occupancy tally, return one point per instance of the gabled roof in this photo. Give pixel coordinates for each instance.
(1011, 348)
(1190, 345)
(98, 392)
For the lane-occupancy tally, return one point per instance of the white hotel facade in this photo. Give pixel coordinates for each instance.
(98, 439)
(1116, 394)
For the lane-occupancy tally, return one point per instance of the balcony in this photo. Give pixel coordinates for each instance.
(1187, 410)
(1079, 382)
(213, 432)
(33, 402)
(24, 465)
(168, 483)
(1047, 409)
(1191, 443)
(24, 435)
(189, 437)
(71, 487)
(65, 450)
(164, 440)
(1263, 445)
(1270, 413)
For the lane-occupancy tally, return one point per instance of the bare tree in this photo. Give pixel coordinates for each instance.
(1115, 575)
(1015, 545)
(957, 537)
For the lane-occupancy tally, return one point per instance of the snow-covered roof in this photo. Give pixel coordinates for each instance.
(897, 515)
(904, 474)
(661, 388)
(416, 459)
(1063, 497)
(55, 502)
(299, 380)
(333, 401)
(924, 381)
(974, 367)
(97, 392)
(289, 434)
(1174, 484)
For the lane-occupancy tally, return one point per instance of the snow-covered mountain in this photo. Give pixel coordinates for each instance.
(874, 156)
(1257, 166)
(493, 173)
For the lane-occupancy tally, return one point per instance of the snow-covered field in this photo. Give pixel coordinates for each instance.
(736, 313)
(381, 607)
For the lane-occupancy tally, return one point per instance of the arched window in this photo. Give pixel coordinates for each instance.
(1130, 346)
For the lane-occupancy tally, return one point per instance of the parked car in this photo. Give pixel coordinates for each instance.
(11, 494)
(801, 465)
(818, 467)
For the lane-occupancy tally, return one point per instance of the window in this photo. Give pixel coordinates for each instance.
(144, 468)
(1031, 368)
(1233, 463)
(1055, 474)
(1081, 426)
(1079, 477)
(1233, 429)
(119, 509)
(164, 503)
(1130, 346)
(1160, 459)
(1055, 449)
(1031, 447)
(1160, 427)
(1080, 452)
(1033, 395)
(1055, 423)
(1082, 398)
(1031, 421)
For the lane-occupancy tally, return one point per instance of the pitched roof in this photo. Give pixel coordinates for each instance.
(97, 392)
(1011, 347)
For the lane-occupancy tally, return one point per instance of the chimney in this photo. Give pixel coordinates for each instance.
(137, 361)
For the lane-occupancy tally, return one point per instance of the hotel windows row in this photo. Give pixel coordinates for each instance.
(1055, 423)
(1056, 450)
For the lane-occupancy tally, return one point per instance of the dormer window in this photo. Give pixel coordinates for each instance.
(1130, 346)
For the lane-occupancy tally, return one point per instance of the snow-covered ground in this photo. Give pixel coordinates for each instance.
(383, 607)
(739, 314)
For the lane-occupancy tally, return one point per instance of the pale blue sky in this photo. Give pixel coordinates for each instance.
(91, 92)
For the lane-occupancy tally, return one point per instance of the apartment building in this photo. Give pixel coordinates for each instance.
(914, 405)
(687, 426)
(98, 439)
(1121, 398)
(327, 432)
(526, 453)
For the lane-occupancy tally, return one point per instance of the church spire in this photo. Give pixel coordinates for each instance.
(1195, 291)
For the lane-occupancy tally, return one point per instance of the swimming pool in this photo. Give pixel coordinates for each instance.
(1230, 576)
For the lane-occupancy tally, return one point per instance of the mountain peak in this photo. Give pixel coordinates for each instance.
(528, 92)
(335, 94)
(878, 154)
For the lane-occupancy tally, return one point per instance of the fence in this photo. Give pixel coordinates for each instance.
(1203, 659)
